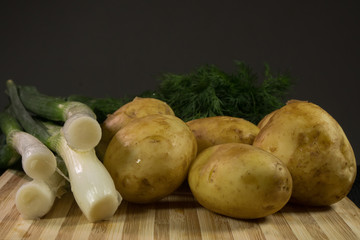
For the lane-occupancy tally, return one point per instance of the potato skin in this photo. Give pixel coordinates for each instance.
(149, 158)
(265, 119)
(314, 148)
(138, 107)
(216, 130)
(240, 181)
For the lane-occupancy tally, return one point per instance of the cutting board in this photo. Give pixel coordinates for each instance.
(178, 216)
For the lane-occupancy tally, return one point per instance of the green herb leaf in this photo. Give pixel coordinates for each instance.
(209, 91)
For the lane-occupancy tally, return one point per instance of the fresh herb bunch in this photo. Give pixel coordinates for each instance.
(209, 91)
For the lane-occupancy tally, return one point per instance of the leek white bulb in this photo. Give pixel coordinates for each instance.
(35, 199)
(81, 129)
(91, 184)
(82, 132)
(38, 161)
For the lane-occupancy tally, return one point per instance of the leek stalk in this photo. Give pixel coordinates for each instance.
(34, 199)
(81, 129)
(8, 155)
(92, 186)
(38, 162)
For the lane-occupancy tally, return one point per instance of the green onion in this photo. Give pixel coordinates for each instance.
(19, 111)
(8, 155)
(34, 199)
(38, 162)
(91, 183)
(92, 186)
(81, 129)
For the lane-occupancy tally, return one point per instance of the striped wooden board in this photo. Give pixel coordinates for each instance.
(178, 216)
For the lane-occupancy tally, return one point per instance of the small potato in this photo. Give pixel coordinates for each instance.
(222, 129)
(314, 148)
(137, 108)
(149, 158)
(240, 181)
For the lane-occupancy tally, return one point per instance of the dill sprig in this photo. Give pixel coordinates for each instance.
(209, 91)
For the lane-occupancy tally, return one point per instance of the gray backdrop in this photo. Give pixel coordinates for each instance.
(117, 48)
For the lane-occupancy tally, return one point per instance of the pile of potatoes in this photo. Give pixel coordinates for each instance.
(297, 153)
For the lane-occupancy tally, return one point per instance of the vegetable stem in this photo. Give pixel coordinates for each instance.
(38, 161)
(34, 199)
(8, 156)
(27, 122)
(81, 129)
(91, 184)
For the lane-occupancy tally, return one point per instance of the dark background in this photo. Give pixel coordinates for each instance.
(117, 48)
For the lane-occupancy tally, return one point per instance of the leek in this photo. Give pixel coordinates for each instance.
(38, 162)
(91, 184)
(34, 199)
(8, 155)
(81, 129)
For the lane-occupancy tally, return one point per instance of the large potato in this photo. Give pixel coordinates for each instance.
(239, 180)
(137, 108)
(149, 157)
(266, 119)
(314, 148)
(222, 129)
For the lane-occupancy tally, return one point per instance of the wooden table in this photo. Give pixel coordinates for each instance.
(177, 216)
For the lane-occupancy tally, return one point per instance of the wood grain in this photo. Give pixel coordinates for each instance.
(177, 216)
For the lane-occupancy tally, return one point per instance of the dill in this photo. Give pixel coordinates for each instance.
(209, 91)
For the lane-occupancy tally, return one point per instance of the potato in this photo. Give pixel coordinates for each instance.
(265, 120)
(222, 129)
(149, 158)
(138, 107)
(314, 148)
(240, 181)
